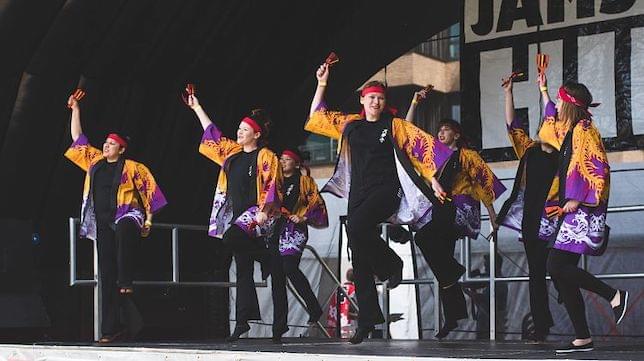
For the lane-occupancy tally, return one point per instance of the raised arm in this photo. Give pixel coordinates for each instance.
(418, 96)
(322, 75)
(518, 136)
(543, 89)
(509, 101)
(75, 126)
(193, 103)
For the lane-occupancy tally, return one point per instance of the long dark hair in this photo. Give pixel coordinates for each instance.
(462, 141)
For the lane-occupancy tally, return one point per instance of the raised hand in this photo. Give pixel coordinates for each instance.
(322, 74)
(192, 102)
(506, 83)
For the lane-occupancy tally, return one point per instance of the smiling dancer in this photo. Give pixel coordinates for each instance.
(302, 206)
(383, 166)
(247, 200)
(462, 184)
(119, 198)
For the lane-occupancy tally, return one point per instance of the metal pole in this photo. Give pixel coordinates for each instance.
(385, 292)
(175, 255)
(72, 251)
(98, 319)
(468, 258)
(385, 309)
(492, 272)
(584, 262)
(437, 305)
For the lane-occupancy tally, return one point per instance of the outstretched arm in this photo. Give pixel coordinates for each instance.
(543, 88)
(193, 103)
(322, 75)
(509, 101)
(75, 126)
(418, 96)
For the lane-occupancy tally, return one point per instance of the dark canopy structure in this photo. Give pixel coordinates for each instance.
(134, 57)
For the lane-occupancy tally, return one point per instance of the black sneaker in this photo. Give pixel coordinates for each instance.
(360, 334)
(240, 329)
(574, 348)
(620, 310)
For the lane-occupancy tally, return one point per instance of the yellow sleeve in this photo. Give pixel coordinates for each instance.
(83, 154)
(216, 147)
(519, 138)
(329, 123)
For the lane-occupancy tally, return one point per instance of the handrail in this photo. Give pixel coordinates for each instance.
(74, 281)
(491, 279)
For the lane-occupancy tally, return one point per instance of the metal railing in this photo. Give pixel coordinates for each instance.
(465, 259)
(175, 281)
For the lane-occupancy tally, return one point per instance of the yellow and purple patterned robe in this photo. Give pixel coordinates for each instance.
(474, 183)
(138, 193)
(587, 180)
(219, 149)
(423, 154)
(511, 214)
(310, 204)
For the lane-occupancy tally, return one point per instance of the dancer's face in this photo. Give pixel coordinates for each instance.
(447, 135)
(374, 104)
(288, 164)
(246, 135)
(112, 150)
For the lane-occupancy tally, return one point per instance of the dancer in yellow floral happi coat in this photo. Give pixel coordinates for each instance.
(383, 169)
(119, 198)
(247, 201)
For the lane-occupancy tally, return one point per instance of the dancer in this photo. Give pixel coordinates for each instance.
(535, 190)
(383, 166)
(246, 202)
(302, 206)
(120, 197)
(584, 184)
(462, 184)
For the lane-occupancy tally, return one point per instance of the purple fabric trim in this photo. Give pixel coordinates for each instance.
(317, 217)
(578, 188)
(583, 231)
(211, 133)
(246, 221)
(321, 106)
(158, 200)
(468, 215)
(497, 187)
(550, 110)
(516, 124)
(82, 140)
(293, 239)
(441, 153)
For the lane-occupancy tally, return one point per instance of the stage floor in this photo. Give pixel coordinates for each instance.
(322, 349)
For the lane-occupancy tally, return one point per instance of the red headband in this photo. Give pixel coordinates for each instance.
(117, 138)
(253, 124)
(293, 155)
(373, 89)
(566, 97)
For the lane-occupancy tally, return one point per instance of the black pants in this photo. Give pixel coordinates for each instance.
(281, 268)
(562, 266)
(437, 241)
(370, 254)
(116, 252)
(536, 252)
(246, 251)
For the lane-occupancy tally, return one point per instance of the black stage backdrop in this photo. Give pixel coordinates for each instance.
(133, 58)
